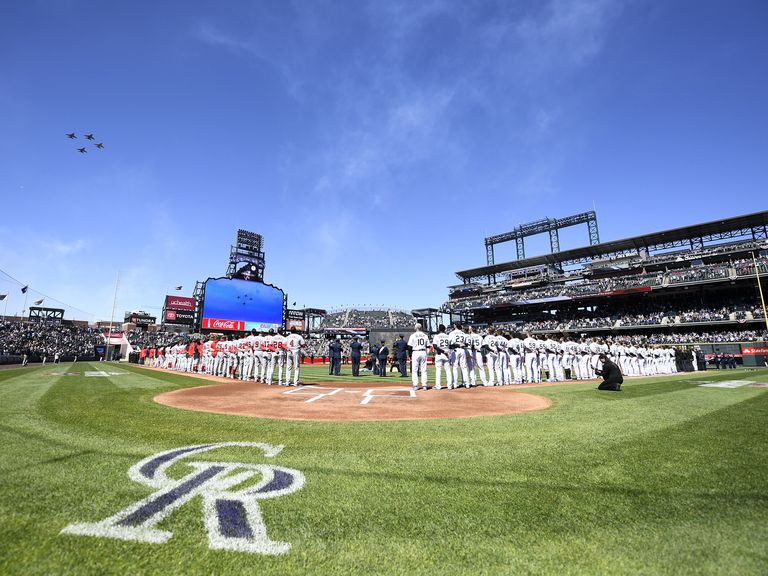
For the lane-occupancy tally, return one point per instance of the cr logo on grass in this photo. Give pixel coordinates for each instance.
(232, 516)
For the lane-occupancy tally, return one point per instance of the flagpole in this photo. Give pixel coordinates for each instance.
(23, 310)
(760, 289)
(112, 318)
(5, 310)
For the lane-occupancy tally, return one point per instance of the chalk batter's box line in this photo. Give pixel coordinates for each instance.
(370, 394)
(305, 391)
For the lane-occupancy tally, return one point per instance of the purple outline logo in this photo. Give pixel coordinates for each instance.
(232, 516)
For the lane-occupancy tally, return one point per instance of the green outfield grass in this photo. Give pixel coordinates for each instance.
(665, 477)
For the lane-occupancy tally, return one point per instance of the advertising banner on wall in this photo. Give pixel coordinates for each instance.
(179, 317)
(179, 303)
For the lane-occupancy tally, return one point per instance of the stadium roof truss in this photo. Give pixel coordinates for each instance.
(548, 225)
(754, 226)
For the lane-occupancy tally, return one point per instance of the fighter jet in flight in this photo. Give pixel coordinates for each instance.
(89, 136)
(72, 135)
(82, 150)
(100, 145)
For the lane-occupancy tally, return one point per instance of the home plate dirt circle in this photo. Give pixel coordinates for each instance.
(351, 401)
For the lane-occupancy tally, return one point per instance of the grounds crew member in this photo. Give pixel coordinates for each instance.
(611, 374)
(356, 349)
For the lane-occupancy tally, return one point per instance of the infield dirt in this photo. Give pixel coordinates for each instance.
(349, 401)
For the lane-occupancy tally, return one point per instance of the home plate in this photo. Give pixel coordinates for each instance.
(727, 384)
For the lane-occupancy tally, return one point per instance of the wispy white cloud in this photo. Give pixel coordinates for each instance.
(382, 118)
(61, 247)
(287, 65)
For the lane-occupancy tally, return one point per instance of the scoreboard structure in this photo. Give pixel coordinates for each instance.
(240, 301)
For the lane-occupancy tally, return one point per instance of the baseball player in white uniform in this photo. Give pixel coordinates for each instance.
(294, 342)
(502, 360)
(442, 346)
(280, 350)
(491, 356)
(530, 350)
(475, 345)
(515, 350)
(419, 344)
(269, 345)
(549, 355)
(458, 344)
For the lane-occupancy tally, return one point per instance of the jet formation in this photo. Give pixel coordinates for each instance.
(73, 136)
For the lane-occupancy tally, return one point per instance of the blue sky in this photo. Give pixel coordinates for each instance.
(373, 144)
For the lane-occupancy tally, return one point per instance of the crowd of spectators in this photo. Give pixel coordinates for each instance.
(652, 316)
(746, 266)
(369, 319)
(317, 346)
(146, 339)
(554, 291)
(40, 341)
(725, 336)
(699, 273)
(509, 295)
(705, 315)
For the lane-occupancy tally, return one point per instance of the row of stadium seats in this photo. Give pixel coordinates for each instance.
(465, 299)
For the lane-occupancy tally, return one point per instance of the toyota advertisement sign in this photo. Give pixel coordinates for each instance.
(179, 317)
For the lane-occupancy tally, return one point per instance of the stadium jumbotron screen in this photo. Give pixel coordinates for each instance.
(241, 305)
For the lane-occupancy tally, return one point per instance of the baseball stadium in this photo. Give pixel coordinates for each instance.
(159, 447)
(384, 288)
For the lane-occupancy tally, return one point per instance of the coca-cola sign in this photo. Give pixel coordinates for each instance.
(179, 303)
(216, 324)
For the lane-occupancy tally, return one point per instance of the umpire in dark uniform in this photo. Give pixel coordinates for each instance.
(611, 374)
(401, 355)
(334, 351)
(383, 354)
(356, 351)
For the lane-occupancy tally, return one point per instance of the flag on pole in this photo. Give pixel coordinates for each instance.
(24, 290)
(38, 302)
(179, 287)
(3, 297)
